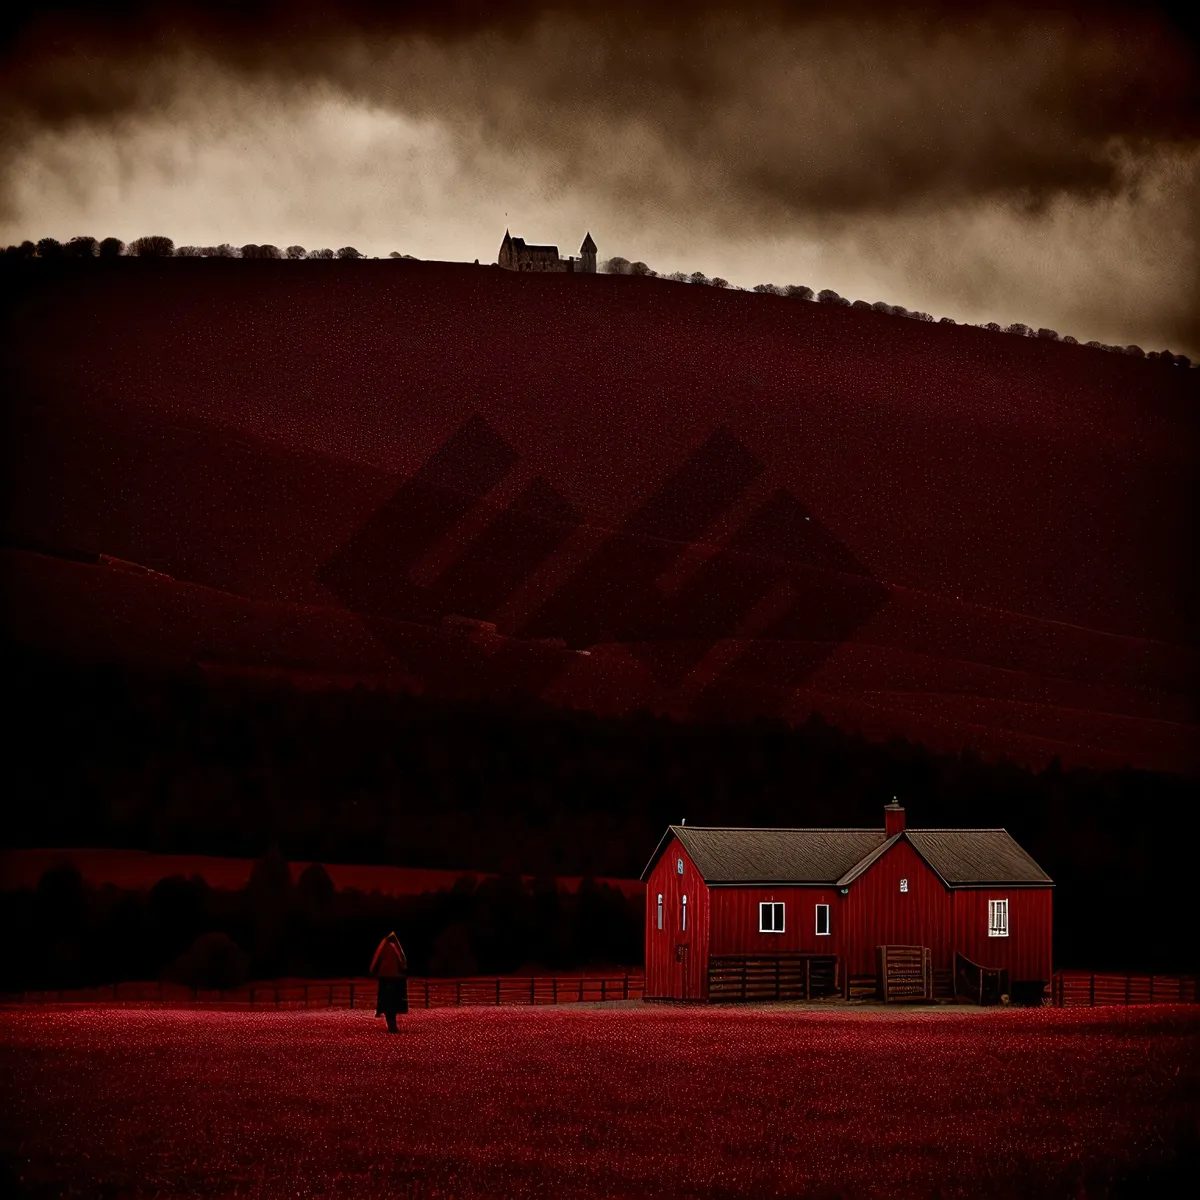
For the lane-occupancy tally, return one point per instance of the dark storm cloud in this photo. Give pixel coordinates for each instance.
(1062, 133)
(798, 110)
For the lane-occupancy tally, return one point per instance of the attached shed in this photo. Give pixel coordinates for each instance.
(812, 907)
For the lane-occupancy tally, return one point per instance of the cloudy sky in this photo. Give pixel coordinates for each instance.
(1006, 162)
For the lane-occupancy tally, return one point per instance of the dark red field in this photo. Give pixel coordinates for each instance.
(633, 1102)
(743, 503)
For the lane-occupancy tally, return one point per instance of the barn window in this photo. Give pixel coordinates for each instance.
(660, 915)
(683, 915)
(904, 885)
(997, 918)
(770, 917)
(822, 920)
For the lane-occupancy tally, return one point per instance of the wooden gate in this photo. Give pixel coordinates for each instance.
(905, 973)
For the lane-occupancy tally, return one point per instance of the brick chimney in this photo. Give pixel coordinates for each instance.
(893, 818)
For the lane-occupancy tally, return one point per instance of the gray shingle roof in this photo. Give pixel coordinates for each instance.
(836, 857)
(976, 856)
(724, 855)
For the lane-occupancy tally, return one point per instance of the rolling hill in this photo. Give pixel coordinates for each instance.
(641, 493)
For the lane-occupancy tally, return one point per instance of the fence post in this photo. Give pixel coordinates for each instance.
(581, 988)
(426, 993)
(458, 992)
(1092, 992)
(497, 991)
(1151, 989)
(532, 993)
(603, 989)
(554, 987)
(352, 993)
(1128, 982)
(625, 987)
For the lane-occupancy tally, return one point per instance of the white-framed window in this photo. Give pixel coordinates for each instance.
(683, 914)
(822, 920)
(997, 918)
(770, 916)
(660, 910)
(904, 885)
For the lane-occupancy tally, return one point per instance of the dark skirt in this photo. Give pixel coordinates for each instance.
(393, 997)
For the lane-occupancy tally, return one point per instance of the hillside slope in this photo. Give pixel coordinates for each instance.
(740, 503)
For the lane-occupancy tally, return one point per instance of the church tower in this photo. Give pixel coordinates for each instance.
(587, 253)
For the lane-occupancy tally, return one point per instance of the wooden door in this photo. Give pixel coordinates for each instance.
(682, 989)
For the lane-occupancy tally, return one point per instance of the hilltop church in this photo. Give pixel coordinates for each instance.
(516, 255)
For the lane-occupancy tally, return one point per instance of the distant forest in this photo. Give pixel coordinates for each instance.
(67, 933)
(87, 248)
(187, 762)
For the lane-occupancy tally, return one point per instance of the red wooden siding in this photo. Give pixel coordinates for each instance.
(733, 925)
(1026, 952)
(878, 913)
(666, 978)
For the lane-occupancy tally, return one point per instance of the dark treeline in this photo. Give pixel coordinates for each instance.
(68, 933)
(84, 248)
(622, 266)
(185, 762)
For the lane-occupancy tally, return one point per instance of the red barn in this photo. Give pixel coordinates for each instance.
(731, 912)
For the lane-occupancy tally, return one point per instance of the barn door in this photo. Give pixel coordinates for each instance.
(682, 987)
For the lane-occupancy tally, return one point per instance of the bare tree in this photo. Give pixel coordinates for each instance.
(1048, 335)
(767, 289)
(679, 277)
(321, 254)
(947, 321)
(718, 282)
(1135, 352)
(1019, 330)
(1070, 341)
(882, 306)
(698, 277)
(798, 291)
(49, 247)
(81, 247)
(189, 251)
(348, 252)
(615, 266)
(640, 268)
(829, 296)
(295, 252)
(154, 246)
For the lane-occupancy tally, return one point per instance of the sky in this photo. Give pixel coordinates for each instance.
(986, 162)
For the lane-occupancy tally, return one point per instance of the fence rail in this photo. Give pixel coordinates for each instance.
(1074, 989)
(356, 993)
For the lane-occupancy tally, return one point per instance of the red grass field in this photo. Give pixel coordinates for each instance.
(617, 1102)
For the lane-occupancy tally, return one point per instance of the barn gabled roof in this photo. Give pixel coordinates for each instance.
(836, 857)
(729, 855)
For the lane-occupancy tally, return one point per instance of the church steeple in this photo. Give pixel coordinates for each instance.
(587, 253)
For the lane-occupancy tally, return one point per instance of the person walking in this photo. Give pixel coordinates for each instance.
(390, 967)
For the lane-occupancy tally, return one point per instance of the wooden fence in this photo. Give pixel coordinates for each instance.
(357, 993)
(1073, 989)
(771, 976)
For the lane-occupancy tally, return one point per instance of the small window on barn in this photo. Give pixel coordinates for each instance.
(660, 910)
(683, 915)
(770, 917)
(822, 920)
(997, 918)
(904, 885)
